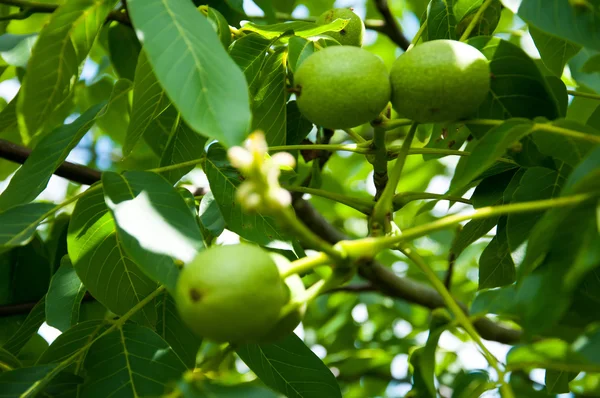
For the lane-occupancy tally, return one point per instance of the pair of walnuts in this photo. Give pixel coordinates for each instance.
(345, 86)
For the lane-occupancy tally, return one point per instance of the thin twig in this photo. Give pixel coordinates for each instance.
(29, 8)
(391, 27)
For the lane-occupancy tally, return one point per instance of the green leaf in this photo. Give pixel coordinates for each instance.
(153, 223)
(489, 148)
(133, 360)
(559, 92)
(224, 180)
(441, 23)
(561, 18)
(249, 52)
(518, 89)
(555, 52)
(298, 50)
(298, 28)
(537, 183)
(557, 381)
(466, 10)
(150, 102)
(17, 267)
(16, 49)
(555, 354)
(32, 178)
(18, 224)
(170, 327)
(269, 103)
(61, 47)
(31, 325)
(184, 145)
(569, 150)
(115, 120)
(210, 215)
(298, 127)
(64, 297)
(15, 383)
(193, 67)
(496, 301)
(220, 25)
(8, 361)
(583, 179)
(124, 50)
(75, 339)
(496, 267)
(100, 260)
(291, 368)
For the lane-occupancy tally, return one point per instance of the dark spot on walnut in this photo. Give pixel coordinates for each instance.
(195, 295)
(343, 32)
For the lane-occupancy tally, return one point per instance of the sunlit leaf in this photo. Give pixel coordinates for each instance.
(100, 259)
(201, 79)
(132, 359)
(153, 223)
(291, 368)
(61, 47)
(64, 297)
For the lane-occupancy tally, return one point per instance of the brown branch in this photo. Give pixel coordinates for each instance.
(377, 274)
(389, 283)
(391, 27)
(29, 8)
(365, 287)
(70, 171)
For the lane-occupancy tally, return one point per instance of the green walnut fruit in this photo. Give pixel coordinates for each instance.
(231, 293)
(439, 81)
(295, 289)
(352, 34)
(341, 87)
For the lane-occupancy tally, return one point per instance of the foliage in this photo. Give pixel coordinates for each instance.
(427, 242)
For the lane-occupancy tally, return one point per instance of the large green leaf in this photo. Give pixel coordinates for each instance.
(269, 103)
(154, 224)
(124, 50)
(466, 10)
(132, 360)
(31, 325)
(496, 267)
(489, 148)
(183, 145)
(249, 52)
(518, 89)
(298, 28)
(18, 224)
(582, 355)
(61, 47)
(291, 368)
(564, 18)
(224, 180)
(15, 383)
(74, 340)
(441, 23)
(537, 183)
(555, 52)
(299, 49)
(203, 82)
(570, 150)
(170, 327)
(31, 179)
(100, 260)
(64, 297)
(150, 103)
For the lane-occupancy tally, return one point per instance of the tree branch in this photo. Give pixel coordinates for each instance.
(394, 286)
(70, 171)
(377, 274)
(391, 27)
(29, 8)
